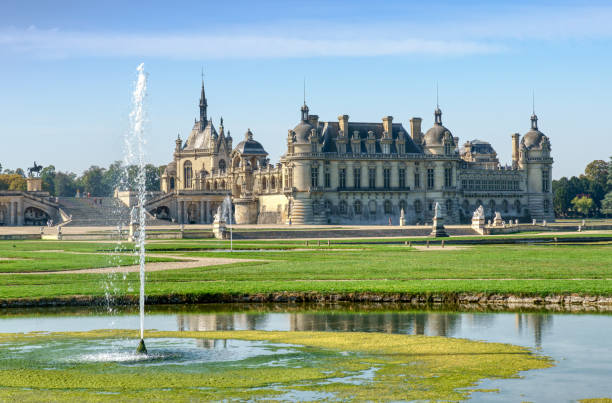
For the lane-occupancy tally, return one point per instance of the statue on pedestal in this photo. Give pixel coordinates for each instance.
(438, 229)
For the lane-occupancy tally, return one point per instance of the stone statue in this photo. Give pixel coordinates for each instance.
(218, 214)
(35, 170)
(479, 212)
(437, 211)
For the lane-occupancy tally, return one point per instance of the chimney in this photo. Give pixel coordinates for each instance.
(415, 130)
(515, 150)
(388, 125)
(343, 123)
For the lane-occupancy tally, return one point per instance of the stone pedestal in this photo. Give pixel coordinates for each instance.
(34, 184)
(478, 223)
(497, 221)
(438, 229)
(402, 219)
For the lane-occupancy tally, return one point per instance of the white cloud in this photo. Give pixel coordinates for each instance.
(57, 43)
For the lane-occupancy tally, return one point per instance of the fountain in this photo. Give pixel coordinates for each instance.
(227, 215)
(134, 143)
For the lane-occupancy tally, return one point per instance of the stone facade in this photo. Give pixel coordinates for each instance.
(345, 172)
(27, 208)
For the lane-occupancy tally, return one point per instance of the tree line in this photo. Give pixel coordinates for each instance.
(588, 195)
(95, 181)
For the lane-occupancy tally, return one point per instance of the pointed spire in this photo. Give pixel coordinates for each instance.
(534, 117)
(304, 108)
(438, 111)
(203, 103)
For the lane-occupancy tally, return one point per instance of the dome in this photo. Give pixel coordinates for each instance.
(302, 131)
(533, 138)
(249, 146)
(435, 135)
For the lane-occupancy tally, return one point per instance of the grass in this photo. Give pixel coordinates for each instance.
(377, 268)
(330, 365)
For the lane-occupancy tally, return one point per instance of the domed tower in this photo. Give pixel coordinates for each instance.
(535, 159)
(439, 140)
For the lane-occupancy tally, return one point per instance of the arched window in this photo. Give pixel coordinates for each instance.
(222, 166)
(449, 206)
(187, 173)
(343, 207)
(357, 207)
(466, 206)
(505, 206)
(215, 186)
(492, 205)
(264, 183)
(546, 205)
(517, 206)
(387, 206)
(418, 207)
(222, 184)
(273, 183)
(328, 205)
(172, 183)
(402, 205)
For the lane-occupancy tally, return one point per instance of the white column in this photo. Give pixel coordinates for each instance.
(20, 211)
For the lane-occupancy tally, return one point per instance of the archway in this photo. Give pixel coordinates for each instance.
(35, 216)
(161, 213)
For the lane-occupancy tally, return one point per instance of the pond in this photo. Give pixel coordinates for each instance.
(579, 343)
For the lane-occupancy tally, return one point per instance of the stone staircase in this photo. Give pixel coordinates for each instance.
(98, 212)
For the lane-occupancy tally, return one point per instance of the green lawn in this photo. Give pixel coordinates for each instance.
(515, 269)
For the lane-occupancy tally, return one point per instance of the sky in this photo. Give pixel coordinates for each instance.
(67, 69)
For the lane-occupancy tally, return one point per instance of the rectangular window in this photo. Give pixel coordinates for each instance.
(357, 178)
(372, 177)
(327, 178)
(387, 178)
(430, 178)
(342, 178)
(402, 178)
(448, 177)
(314, 176)
(544, 181)
(417, 179)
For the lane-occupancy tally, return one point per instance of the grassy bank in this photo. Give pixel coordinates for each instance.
(493, 269)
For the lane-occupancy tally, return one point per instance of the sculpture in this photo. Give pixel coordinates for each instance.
(437, 211)
(479, 212)
(35, 170)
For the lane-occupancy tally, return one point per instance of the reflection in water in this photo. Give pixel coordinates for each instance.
(422, 323)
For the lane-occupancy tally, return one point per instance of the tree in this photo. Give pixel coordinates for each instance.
(606, 204)
(583, 204)
(12, 181)
(562, 197)
(597, 172)
(91, 182)
(19, 171)
(152, 177)
(64, 184)
(48, 179)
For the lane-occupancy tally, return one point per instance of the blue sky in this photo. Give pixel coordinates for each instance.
(67, 68)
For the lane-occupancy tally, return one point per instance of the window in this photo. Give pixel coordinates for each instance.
(327, 205)
(492, 205)
(449, 206)
(417, 178)
(264, 183)
(342, 178)
(545, 181)
(387, 178)
(314, 176)
(272, 183)
(402, 178)
(222, 166)
(430, 178)
(314, 147)
(447, 148)
(343, 207)
(171, 183)
(290, 178)
(418, 206)
(505, 206)
(357, 178)
(546, 206)
(372, 177)
(357, 207)
(430, 206)
(187, 174)
(517, 206)
(448, 177)
(327, 178)
(387, 206)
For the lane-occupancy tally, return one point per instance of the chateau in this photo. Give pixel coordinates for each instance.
(346, 172)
